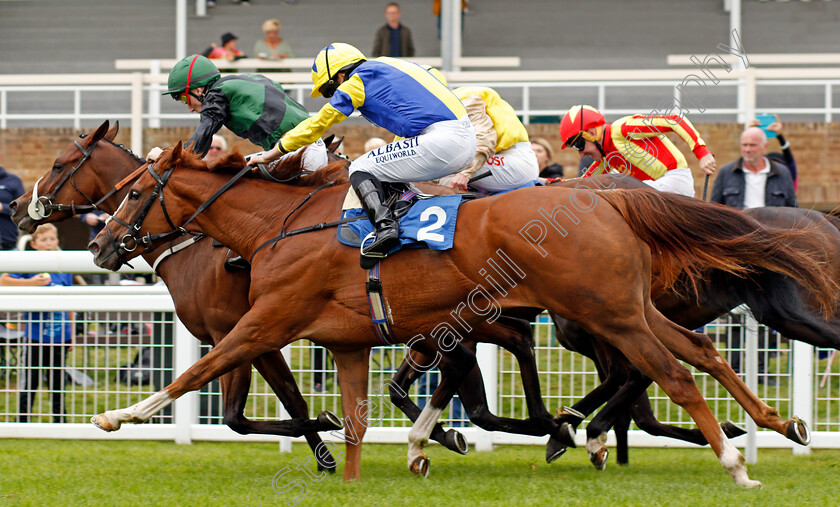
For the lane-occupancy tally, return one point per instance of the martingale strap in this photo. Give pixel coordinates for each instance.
(173, 249)
(378, 307)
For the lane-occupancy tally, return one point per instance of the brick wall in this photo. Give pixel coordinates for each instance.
(816, 147)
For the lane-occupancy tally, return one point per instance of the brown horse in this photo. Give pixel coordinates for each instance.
(311, 288)
(208, 300)
(775, 300)
(108, 163)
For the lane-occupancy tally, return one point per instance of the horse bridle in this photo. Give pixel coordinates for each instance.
(131, 239)
(41, 207)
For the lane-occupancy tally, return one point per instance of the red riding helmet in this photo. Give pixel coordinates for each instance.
(579, 119)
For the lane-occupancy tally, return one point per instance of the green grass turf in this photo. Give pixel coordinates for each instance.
(56, 472)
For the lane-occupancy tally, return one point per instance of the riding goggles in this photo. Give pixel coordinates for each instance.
(577, 142)
(183, 96)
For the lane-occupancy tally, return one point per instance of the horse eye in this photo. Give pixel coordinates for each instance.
(134, 195)
(57, 167)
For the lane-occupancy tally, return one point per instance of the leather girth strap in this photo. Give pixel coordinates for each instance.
(378, 307)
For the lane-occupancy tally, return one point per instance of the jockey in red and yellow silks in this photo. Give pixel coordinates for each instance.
(637, 145)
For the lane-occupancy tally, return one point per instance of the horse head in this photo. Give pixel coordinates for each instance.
(143, 218)
(66, 189)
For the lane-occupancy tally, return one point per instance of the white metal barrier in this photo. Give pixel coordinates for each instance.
(525, 89)
(113, 324)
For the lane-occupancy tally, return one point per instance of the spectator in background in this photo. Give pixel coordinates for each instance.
(393, 38)
(49, 334)
(545, 156)
(785, 156)
(218, 148)
(753, 181)
(10, 189)
(227, 51)
(273, 47)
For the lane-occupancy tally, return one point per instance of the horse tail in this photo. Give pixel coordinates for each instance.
(690, 236)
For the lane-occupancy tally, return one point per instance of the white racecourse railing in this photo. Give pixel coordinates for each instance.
(114, 323)
(681, 90)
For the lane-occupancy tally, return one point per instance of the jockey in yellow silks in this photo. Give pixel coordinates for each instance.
(503, 149)
(401, 97)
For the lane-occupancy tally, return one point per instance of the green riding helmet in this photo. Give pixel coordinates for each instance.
(191, 72)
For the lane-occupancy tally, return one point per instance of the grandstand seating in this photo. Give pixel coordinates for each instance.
(88, 35)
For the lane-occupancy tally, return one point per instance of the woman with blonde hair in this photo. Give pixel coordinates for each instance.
(273, 47)
(545, 157)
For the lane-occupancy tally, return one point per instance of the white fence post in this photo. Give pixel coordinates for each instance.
(285, 442)
(487, 356)
(154, 97)
(186, 407)
(137, 113)
(802, 386)
(750, 364)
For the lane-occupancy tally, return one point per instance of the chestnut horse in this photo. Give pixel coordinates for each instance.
(107, 163)
(312, 288)
(208, 300)
(774, 299)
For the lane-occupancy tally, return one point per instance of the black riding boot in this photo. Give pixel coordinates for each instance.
(370, 192)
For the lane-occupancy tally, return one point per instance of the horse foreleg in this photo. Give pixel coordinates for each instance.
(407, 374)
(352, 370)
(453, 371)
(276, 372)
(247, 340)
(698, 350)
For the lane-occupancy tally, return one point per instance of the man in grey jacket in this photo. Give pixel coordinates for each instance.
(393, 38)
(750, 182)
(754, 180)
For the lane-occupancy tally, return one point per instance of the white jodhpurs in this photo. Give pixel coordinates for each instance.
(443, 148)
(509, 169)
(675, 181)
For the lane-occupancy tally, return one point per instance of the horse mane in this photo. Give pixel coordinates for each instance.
(136, 158)
(233, 162)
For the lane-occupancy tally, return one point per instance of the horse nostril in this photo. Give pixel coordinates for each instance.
(94, 248)
(13, 206)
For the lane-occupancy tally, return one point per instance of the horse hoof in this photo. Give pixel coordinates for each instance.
(798, 431)
(455, 441)
(326, 468)
(553, 450)
(102, 422)
(566, 435)
(732, 430)
(329, 421)
(599, 458)
(420, 466)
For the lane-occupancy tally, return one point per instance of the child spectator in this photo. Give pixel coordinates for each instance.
(49, 334)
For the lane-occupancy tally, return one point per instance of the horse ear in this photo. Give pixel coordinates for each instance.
(113, 132)
(99, 134)
(176, 151)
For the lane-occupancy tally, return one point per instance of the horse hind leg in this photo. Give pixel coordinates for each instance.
(698, 350)
(642, 348)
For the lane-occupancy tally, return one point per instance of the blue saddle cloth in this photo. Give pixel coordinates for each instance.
(429, 223)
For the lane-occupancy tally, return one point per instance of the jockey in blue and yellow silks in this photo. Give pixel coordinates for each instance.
(405, 99)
